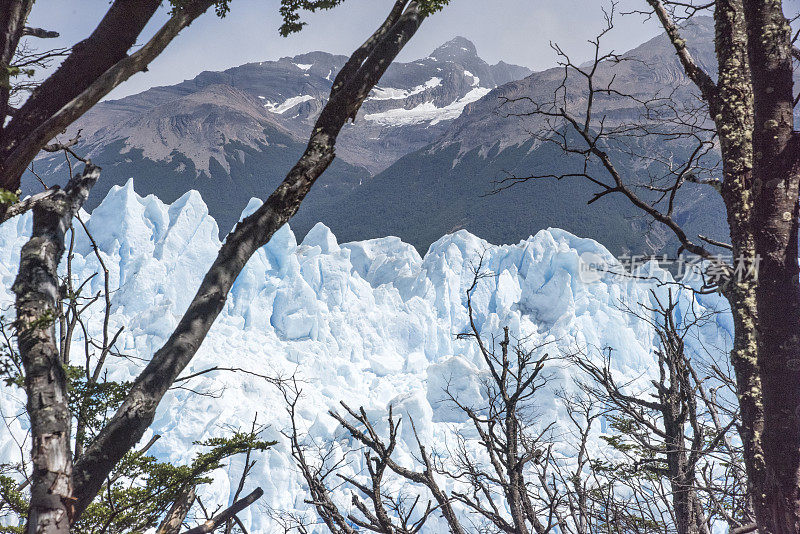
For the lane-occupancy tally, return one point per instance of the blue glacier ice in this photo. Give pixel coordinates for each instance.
(371, 322)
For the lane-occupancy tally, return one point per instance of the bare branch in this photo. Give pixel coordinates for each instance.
(39, 32)
(700, 77)
(229, 513)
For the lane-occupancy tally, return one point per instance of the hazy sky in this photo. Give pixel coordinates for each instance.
(516, 31)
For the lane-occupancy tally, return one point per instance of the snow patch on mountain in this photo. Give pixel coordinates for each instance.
(371, 322)
(427, 111)
(287, 104)
(391, 93)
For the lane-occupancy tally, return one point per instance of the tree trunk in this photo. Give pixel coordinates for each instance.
(681, 482)
(109, 43)
(514, 467)
(37, 290)
(13, 14)
(173, 522)
(775, 224)
(732, 112)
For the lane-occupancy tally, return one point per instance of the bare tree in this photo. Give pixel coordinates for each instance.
(678, 430)
(487, 489)
(505, 427)
(61, 491)
(749, 117)
(376, 507)
(586, 490)
(667, 462)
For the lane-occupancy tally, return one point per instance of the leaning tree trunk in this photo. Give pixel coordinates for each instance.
(137, 411)
(37, 290)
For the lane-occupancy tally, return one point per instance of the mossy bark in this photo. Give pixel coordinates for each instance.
(776, 177)
(753, 115)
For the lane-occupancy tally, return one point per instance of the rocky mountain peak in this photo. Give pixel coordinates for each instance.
(245, 123)
(456, 49)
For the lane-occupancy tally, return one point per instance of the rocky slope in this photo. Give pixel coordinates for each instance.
(444, 186)
(423, 154)
(198, 117)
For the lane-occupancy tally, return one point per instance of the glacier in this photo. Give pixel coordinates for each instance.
(372, 323)
(427, 111)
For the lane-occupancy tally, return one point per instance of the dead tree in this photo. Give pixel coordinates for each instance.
(386, 512)
(681, 470)
(501, 493)
(375, 508)
(576, 491)
(585, 490)
(674, 430)
(62, 491)
(505, 426)
(523, 474)
(749, 113)
(315, 474)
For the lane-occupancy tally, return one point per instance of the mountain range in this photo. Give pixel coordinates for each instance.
(425, 150)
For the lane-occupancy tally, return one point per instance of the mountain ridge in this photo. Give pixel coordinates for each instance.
(425, 149)
(293, 90)
(234, 134)
(450, 183)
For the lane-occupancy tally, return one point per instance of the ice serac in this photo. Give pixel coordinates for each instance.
(371, 323)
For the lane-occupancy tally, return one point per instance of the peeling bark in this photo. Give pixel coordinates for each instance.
(37, 289)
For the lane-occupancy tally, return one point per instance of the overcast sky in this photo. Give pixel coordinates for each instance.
(515, 31)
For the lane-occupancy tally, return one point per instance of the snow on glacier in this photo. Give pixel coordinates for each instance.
(427, 111)
(372, 323)
(391, 93)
